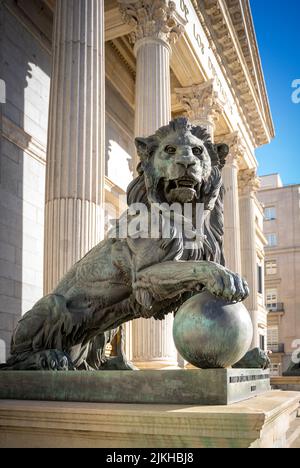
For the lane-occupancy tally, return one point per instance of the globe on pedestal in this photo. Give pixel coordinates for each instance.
(211, 333)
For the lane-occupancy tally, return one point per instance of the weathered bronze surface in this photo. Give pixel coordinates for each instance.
(177, 387)
(293, 370)
(212, 333)
(125, 279)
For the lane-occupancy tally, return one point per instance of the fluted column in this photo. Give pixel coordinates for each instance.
(153, 86)
(75, 158)
(232, 239)
(156, 27)
(203, 104)
(248, 185)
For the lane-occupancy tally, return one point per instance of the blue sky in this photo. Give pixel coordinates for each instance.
(277, 28)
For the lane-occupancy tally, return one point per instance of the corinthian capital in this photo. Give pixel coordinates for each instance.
(237, 148)
(249, 183)
(203, 103)
(157, 19)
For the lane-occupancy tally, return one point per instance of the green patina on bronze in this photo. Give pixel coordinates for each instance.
(212, 333)
(178, 387)
(120, 279)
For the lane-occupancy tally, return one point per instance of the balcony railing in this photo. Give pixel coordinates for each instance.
(279, 348)
(279, 307)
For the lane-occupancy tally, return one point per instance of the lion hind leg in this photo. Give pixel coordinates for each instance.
(97, 358)
(46, 360)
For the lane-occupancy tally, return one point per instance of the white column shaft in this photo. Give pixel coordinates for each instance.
(153, 86)
(249, 258)
(232, 240)
(152, 340)
(75, 164)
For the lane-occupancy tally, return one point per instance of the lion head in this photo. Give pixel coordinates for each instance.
(180, 164)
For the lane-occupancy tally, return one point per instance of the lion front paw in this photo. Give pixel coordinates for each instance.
(54, 360)
(230, 286)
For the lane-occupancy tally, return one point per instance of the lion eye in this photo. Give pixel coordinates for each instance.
(170, 149)
(197, 151)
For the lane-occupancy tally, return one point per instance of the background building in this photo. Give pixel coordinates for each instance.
(282, 268)
(83, 77)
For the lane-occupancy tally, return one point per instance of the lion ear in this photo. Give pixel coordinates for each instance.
(223, 151)
(145, 147)
(142, 146)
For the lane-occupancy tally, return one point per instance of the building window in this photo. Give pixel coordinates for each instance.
(273, 338)
(270, 213)
(271, 267)
(260, 279)
(271, 299)
(262, 342)
(272, 240)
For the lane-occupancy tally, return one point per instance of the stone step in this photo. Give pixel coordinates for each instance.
(293, 435)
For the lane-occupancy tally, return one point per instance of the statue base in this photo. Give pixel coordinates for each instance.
(178, 387)
(267, 421)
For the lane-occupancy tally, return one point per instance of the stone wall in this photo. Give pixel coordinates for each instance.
(25, 68)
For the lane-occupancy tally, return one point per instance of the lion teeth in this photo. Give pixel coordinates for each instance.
(185, 183)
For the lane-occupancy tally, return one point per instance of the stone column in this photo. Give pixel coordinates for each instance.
(232, 239)
(156, 27)
(203, 104)
(75, 158)
(248, 185)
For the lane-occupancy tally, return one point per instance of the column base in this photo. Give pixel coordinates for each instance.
(155, 365)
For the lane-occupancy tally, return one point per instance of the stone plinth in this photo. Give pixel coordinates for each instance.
(187, 387)
(261, 422)
(286, 383)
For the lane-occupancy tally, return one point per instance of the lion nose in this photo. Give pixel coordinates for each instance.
(186, 162)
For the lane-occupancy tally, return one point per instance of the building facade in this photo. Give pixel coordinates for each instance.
(82, 79)
(282, 268)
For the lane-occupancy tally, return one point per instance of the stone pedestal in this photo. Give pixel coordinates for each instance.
(187, 387)
(156, 27)
(263, 422)
(286, 383)
(76, 138)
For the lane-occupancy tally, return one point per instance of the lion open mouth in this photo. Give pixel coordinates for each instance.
(182, 190)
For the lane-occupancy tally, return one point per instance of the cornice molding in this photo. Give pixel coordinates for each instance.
(216, 20)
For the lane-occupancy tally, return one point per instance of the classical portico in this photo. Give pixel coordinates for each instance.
(151, 38)
(153, 61)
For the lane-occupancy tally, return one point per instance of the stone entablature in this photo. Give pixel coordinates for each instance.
(230, 50)
(227, 56)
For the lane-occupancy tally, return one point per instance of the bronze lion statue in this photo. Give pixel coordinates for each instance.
(128, 277)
